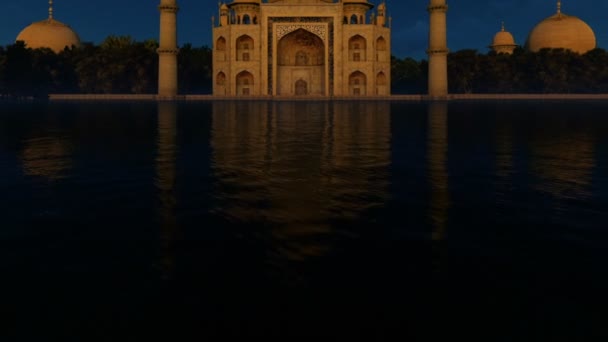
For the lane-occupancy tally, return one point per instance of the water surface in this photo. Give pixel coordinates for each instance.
(357, 220)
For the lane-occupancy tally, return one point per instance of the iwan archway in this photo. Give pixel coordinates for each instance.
(301, 66)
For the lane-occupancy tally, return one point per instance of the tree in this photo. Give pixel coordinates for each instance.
(18, 70)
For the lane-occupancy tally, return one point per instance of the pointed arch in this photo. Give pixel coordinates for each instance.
(244, 48)
(244, 83)
(382, 53)
(382, 87)
(301, 56)
(357, 83)
(220, 79)
(357, 49)
(381, 79)
(381, 44)
(220, 44)
(220, 84)
(220, 49)
(246, 19)
(353, 19)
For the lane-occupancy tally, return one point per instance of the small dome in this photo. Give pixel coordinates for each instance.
(49, 33)
(562, 31)
(503, 42)
(503, 38)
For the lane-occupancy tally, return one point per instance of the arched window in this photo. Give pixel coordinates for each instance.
(244, 45)
(220, 79)
(244, 83)
(381, 79)
(382, 54)
(255, 20)
(220, 44)
(353, 19)
(357, 83)
(381, 44)
(357, 49)
(382, 87)
(345, 21)
(246, 19)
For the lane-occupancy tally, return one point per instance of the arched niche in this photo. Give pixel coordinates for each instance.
(357, 83)
(244, 83)
(220, 79)
(244, 48)
(382, 53)
(220, 44)
(220, 83)
(220, 49)
(301, 58)
(382, 85)
(357, 49)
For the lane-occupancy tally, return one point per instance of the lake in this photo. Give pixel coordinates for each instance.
(297, 220)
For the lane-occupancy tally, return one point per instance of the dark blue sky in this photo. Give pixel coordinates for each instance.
(471, 23)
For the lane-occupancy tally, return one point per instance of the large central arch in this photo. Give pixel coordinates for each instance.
(301, 61)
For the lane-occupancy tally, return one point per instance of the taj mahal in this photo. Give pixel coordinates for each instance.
(330, 48)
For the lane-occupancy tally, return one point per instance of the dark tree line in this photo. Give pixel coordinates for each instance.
(122, 65)
(548, 71)
(117, 65)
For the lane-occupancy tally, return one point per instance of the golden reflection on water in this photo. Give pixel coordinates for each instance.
(438, 173)
(165, 181)
(504, 153)
(564, 164)
(295, 167)
(47, 157)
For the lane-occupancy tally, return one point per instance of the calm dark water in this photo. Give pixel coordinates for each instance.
(352, 220)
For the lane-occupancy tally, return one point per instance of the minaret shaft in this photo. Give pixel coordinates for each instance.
(167, 51)
(438, 49)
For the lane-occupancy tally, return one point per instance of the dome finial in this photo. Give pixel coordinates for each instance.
(559, 7)
(502, 27)
(50, 9)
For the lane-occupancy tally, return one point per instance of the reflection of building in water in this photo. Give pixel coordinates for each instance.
(48, 157)
(564, 164)
(165, 179)
(504, 151)
(296, 167)
(438, 174)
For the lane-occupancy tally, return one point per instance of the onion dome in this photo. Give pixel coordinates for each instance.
(562, 31)
(503, 42)
(49, 33)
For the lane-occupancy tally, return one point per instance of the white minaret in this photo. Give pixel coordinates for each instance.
(438, 49)
(167, 51)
